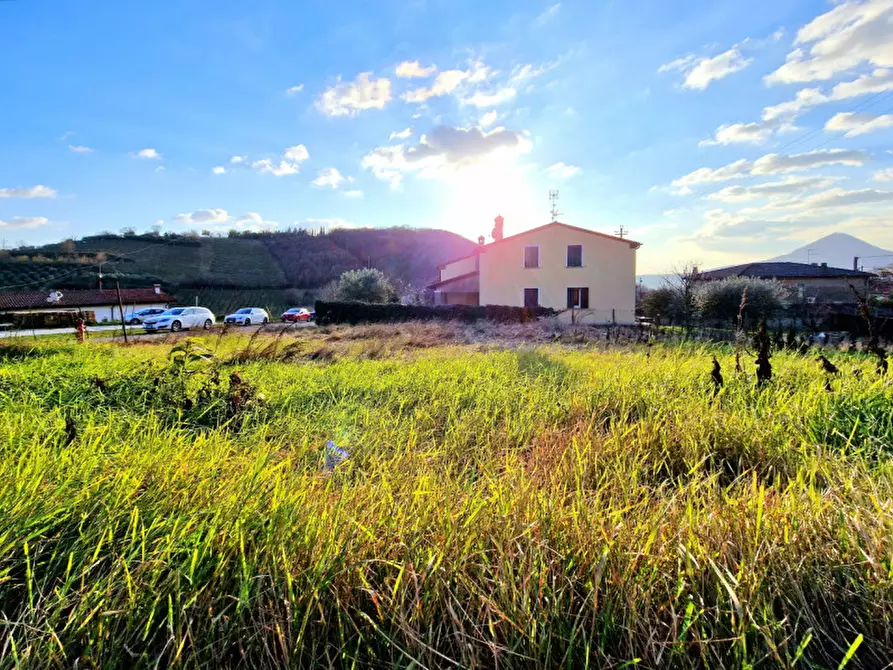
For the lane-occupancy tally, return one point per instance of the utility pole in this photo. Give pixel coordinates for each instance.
(121, 308)
(100, 279)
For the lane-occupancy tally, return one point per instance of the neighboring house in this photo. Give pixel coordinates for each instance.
(809, 282)
(590, 276)
(102, 302)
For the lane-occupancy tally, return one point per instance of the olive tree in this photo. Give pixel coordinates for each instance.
(364, 285)
(721, 301)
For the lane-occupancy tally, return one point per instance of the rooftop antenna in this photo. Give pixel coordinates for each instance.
(809, 256)
(621, 232)
(553, 201)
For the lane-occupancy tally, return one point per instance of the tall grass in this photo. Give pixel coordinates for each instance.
(547, 506)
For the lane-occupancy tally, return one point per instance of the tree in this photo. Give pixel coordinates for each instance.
(720, 301)
(682, 284)
(364, 285)
(660, 303)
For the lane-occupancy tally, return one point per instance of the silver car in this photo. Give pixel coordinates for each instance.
(247, 316)
(180, 318)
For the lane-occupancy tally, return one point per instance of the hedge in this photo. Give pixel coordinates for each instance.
(364, 312)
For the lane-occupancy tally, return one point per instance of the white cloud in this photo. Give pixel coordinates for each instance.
(350, 98)
(838, 197)
(149, 154)
(769, 164)
(498, 97)
(884, 175)
(562, 171)
(445, 148)
(289, 164)
(488, 119)
(850, 34)
(877, 82)
(776, 163)
(254, 221)
(736, 170)
(236, 160)
(547, 15)
(530, 71)
(24, 222)
(296, 153)
(219, 170)
(410, 69)
(480, 72)
(282, 169)
(402, 135)
(446, 82)
(355, 193)
(203, 217)
(294, 90)
(741, 133)
(38, 191)
(329, 177)
(786, 187)
(700, 72)
(80, 149)
(858, 124)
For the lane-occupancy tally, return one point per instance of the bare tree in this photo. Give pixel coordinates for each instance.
(682, 283)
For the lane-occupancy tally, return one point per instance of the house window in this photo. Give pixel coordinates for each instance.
(575, 255)
(531, 257)
(578, 298)
(531, 296)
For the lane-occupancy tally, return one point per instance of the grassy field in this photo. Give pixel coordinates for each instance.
(506, 503)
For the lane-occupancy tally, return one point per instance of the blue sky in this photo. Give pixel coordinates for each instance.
(713, 131)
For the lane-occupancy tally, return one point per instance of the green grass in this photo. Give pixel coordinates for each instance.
(502, 506)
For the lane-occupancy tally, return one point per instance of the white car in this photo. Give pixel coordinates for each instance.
(136, 318)
(178, 318)
(247, 316)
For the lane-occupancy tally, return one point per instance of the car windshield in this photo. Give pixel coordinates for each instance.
(244, 311)
(173, 312)
(293, 310)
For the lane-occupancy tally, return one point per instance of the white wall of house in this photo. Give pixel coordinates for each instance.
(608, 271)
(458, 268)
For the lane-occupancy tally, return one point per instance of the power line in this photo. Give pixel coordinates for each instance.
(816, 132)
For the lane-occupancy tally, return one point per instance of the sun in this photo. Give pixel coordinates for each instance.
(499, 184)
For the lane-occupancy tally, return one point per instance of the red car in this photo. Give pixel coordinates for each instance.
(296, 314)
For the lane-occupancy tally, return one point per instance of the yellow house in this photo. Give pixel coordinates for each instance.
(588, 276)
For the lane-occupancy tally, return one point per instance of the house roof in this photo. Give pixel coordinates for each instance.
(81, 298)
(781, 271)
(451, 280)
(483, 248)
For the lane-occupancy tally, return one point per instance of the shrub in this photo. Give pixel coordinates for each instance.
(366, 285)
(361, 312)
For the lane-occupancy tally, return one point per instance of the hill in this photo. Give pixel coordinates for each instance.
(838, 250)
(273, 270)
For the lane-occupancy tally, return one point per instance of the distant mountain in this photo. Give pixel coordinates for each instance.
(838, 250)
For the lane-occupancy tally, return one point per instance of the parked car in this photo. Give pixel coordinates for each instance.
(296, 314)
(180, 318)
(246, 316)
(136, 318)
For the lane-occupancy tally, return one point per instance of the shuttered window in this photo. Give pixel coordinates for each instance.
(531, 297)
(575, 255)
(531, 257)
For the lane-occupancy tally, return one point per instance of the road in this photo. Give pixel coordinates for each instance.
(115, 331)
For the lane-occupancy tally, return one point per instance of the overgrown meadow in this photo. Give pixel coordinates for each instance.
(505, 504)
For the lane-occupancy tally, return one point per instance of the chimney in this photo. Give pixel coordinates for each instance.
(157, 288)
(497, 228)
(825, 266)
(694, 270)
(481, 240)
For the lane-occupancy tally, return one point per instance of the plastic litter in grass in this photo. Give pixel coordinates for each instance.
(335, 455)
